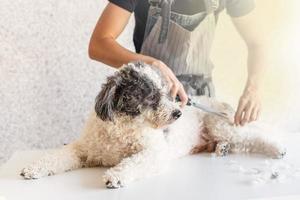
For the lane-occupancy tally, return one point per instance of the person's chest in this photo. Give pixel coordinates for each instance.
(188, 7)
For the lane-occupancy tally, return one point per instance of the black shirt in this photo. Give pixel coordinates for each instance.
(235, 8)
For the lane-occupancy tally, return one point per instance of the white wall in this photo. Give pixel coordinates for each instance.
(48, 83)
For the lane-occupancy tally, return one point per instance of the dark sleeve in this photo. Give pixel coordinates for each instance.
(128, 5)
(238, 8)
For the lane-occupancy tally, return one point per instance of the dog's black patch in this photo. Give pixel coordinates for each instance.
(127, 92)
(135, 91)
(104, 105)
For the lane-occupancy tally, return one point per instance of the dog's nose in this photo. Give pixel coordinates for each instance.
(176, 114)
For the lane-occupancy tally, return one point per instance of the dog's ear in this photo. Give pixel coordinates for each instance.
(104, 103)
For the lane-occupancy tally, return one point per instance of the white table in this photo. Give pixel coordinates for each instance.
(194, 177)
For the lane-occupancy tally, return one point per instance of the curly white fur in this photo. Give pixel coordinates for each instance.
(137, 147)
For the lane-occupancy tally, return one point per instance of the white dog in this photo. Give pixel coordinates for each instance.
(136, 129)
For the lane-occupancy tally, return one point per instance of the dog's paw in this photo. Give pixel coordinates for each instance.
(33, 172)
(222, 149)
(112, 181)
(113, 185)
(277, 151)
(280, 153)
(30, 173)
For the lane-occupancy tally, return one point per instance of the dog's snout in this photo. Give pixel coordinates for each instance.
(176, 114)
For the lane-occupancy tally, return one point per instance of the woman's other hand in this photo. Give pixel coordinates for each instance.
(249, 106)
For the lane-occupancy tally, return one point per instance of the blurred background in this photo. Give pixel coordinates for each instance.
(281, 93)
(48, 83)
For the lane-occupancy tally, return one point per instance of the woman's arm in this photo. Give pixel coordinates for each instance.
(254, 36)
(104, 47)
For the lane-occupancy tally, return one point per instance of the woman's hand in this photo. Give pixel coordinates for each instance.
(176, 88)
(249, 106)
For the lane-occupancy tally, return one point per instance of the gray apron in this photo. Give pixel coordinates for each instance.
(183, 42)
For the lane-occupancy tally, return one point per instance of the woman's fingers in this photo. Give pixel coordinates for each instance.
(253, 114)
(174, 89)
(247, 114)
(177, 89)
(182, 95)
(249, 107)
(239, 113)
(169, 82)
(175, 86)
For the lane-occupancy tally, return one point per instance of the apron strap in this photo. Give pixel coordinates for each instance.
(166, 16)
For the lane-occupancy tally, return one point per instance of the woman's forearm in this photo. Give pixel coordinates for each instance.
(108, 51)
(257, 64)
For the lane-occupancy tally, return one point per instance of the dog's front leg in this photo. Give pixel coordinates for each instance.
(56, 161)
(143, 164)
